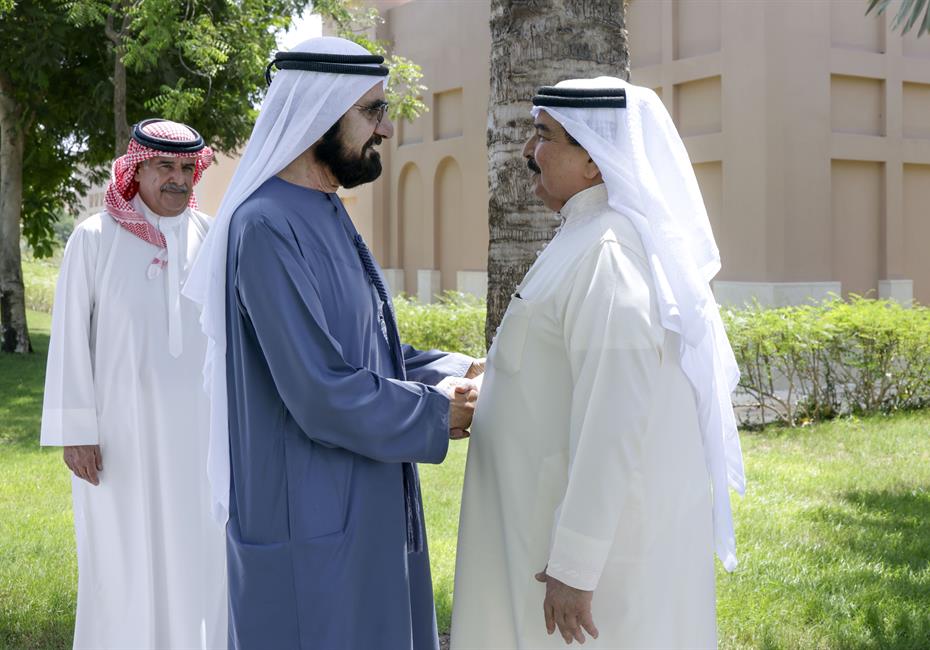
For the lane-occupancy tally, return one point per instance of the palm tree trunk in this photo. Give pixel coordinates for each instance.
(535, 43)
(14, 334)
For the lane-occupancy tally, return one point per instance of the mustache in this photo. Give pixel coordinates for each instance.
(373, 142)
(172, 187)
(531, 163)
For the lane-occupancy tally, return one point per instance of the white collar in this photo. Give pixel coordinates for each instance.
(157, 220)
(586, 202)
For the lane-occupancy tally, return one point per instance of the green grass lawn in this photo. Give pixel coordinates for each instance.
(833, 534)
(38, 571)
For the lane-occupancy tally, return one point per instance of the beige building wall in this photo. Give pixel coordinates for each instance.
(432, 232)
(808, 125)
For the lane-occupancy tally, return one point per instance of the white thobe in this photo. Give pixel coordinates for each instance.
(124, 372)
(586, 457)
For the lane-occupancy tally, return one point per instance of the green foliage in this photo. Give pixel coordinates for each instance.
(818, 361)
(200, 62)
(43, 59)
(39, 278)
(455, 323)
(908, 14)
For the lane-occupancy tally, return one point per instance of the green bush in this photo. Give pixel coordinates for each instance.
(39, 277)
(818, 361)
(798, 364)
(455, 323)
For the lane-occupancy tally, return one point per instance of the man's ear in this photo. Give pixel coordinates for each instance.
(591, 171)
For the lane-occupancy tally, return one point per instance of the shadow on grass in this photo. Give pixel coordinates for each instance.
(22, 381)
(49, 626)
(891, 528)
(57, 635)
(883, 539)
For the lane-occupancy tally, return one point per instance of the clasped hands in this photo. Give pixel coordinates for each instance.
(463, 396)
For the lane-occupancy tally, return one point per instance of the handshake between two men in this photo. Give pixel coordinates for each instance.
(463, 396)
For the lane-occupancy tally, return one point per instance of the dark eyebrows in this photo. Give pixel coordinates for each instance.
(378, 103)
(539, 126)
(166, 162)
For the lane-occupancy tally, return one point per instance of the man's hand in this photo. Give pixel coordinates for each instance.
(567, 608)
(476, 368)
(462, 394)
(85, 461)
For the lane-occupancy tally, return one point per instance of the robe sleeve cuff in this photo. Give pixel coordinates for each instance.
(69, 427)
(458, 363)
(577, 560)
(438, 445)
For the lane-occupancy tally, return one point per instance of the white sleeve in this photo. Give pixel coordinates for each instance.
(69, 410)
(614, 349)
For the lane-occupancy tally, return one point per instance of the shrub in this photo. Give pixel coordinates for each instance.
(39, 277)
(818, 361)
(454, 324)
(798, 364)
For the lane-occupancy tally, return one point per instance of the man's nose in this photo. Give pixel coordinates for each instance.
(385, 127)
(176, 176)
(528, 147)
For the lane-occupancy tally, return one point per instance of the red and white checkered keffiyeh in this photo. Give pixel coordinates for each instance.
(123, 187)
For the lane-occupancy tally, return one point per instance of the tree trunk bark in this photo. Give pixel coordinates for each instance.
(535, 43)
(14, 334)
(120, 124)
(117, 38)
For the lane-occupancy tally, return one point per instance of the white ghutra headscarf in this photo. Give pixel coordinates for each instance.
(650, 180)
(299, 108)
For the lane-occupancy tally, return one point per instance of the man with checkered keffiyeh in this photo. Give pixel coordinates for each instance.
(123, 397)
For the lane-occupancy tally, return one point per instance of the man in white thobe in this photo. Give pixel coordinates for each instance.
(123, 397)
(596, 484)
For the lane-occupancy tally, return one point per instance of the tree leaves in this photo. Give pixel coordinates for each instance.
(908, 15)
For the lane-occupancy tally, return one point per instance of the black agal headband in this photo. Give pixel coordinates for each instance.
(332, 63)
(164, 144)
(557, 96)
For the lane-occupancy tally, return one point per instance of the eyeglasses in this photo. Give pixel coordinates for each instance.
(374, 112)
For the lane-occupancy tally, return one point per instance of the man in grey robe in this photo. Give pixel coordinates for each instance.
(327, 412)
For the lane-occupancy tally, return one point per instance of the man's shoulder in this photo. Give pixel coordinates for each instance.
(93, 224)
(257, 212)
(91, 229)
(616, 228)
(201, 221)
(281, 207)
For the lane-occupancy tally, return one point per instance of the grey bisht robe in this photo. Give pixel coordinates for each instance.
(324, 415)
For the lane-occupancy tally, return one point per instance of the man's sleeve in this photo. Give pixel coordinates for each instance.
(614, 350)
(69, 409)
(432, 366)
(333, 402)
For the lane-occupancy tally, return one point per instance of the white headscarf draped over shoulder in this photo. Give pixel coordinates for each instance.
(299, 108)
(650, 180)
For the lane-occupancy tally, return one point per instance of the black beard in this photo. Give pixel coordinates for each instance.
(350, 169)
